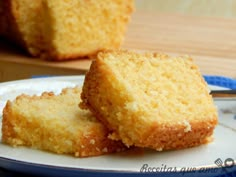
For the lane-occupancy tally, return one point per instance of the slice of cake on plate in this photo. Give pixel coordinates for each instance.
(150, 100)
(55, 123)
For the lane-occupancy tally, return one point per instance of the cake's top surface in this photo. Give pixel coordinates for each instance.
(62, 109)
(169, 88)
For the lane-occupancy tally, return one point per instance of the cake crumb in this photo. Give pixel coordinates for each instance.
(187, 126)
(92, 141)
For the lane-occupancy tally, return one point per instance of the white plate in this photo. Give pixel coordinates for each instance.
(187, 161)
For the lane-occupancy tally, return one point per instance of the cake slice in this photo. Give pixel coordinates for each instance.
(78, 28)
(55, 123)
(150, 100)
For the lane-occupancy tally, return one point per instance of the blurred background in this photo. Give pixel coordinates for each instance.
(217, 8)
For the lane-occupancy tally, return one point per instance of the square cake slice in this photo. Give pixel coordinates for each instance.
(150, 100)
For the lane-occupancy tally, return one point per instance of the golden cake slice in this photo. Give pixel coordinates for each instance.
(78, 28)
(55, 123)
(60, 30)
(150, 100)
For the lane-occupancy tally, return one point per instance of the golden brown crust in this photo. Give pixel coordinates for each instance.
(161, 137)
(7, 129)
(102, 94)
(19, 129)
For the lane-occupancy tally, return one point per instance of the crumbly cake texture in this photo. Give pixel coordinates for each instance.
(55, 123)
(150, 100)
(61, 30)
